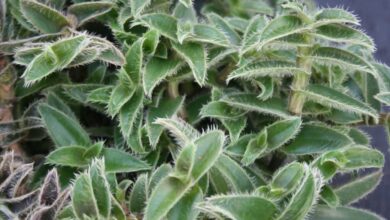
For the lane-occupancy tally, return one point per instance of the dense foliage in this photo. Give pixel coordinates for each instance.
(150, 109)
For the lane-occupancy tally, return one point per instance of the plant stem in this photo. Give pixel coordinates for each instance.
(300, 81)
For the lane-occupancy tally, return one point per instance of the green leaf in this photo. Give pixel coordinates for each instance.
(100, 188)
(335, 99)
(94, 150)
(72, 156)
(335, 16)
(280, 132)
(79, 92)
(329, 196)
(237, 177)
(185, 209)
(383, 97)
(166, 194)
(120, 95)
(304, 197)
(248, 101)
(225, 27)
(87, 11)
(280, 27)
(118, 161)
(195, 55)
(83, 202)
(252, 33)
(166, 108)
(256, 147)
(220, 110)
(59, 104)
(363, 157)
(100, 95)
(343, 58)
(139, 194)
(45, 19)
(358, 188)
(323, 212)
(317, 139)
(163, 23)
(55, 57)
(183, 133)
(8, 47)
(137, 6)
(156, 70)
(63, 130)
(287, 179)
(208, 150)
(170, 190)
(237, 207)
(129, 112)
(384, 77)
(207, 34)
(342, 33)
(235, 127)
(109, 52)
(151, 41)
(91, 193)
(265, 68)
(134, 62)
(266, 85)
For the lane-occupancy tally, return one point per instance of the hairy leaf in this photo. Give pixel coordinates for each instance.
(42, 17)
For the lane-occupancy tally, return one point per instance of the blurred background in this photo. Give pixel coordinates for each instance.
(375, 20)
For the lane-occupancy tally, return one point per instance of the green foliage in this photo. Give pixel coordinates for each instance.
(242, 110)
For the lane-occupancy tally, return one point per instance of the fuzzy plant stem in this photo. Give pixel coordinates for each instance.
(300, 81)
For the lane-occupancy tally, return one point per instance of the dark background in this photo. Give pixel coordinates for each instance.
(375, 19)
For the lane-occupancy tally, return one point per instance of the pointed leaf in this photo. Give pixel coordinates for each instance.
(87, 11)
(335, 16)
(129, 112)
(55, 57)
(280, 132)
(317, 139)
(166, 108)
(344, 58)
(342, 33)
(195, 56)
(247, 101)
(45, 19)
(225, 27)
(163, 23)
(237, 177)
(118, 161)
(304, 197)
(137, 6)
(156, 70)
(72, 156)
(358, 188)
(256, 148)
(170, 190)
(63, 130)
(239, 207)
(279, 27)
(265, 68)
(335, 99)
(134, 58)
(139, 194)
(323, 212)
(185, 209)
(220, 110)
